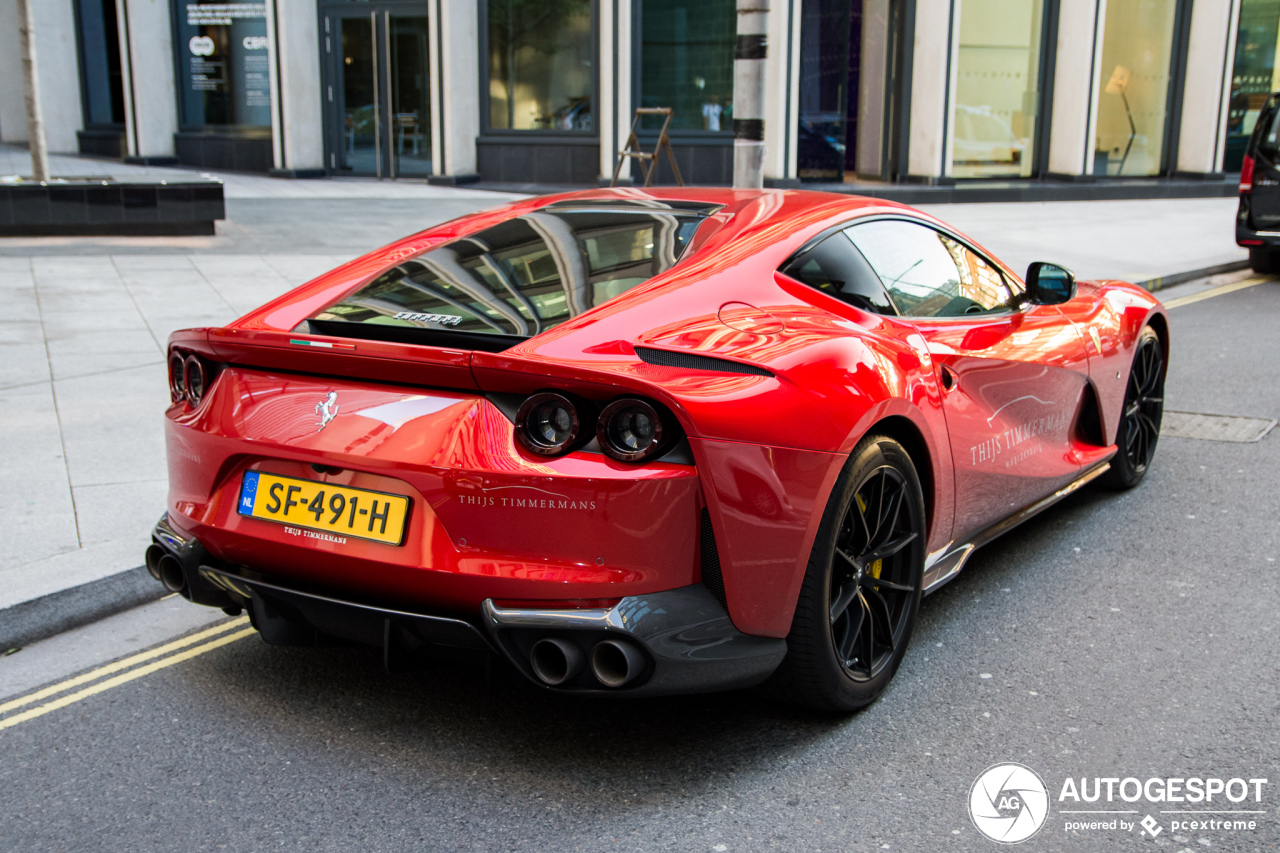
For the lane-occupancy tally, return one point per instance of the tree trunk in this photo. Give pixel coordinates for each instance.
(31, 92)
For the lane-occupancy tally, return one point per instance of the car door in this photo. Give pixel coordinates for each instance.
(1012, 377)
(1264, 148)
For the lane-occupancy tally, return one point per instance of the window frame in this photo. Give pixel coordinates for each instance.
(1015, 282)
(649, 136)
(1043, 123)
(245, 131)
(81, 74)
(513, 134)
(801, 256)
(1171, 135)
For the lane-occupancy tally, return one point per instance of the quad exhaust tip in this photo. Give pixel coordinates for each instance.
(616, 663)
(153, 557)
(556, 661)
(171, 575)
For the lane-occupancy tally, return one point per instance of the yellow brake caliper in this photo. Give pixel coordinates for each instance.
(878, 564)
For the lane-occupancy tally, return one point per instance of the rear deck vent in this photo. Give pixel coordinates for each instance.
(712, 579)
(689, 361)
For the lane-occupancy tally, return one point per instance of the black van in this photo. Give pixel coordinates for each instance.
(1258, 220)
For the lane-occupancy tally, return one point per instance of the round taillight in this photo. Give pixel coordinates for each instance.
(631, 430)
(548, 424)
(194, 376)
(177, 382)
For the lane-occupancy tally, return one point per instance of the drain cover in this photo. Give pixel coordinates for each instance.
(1214, 427)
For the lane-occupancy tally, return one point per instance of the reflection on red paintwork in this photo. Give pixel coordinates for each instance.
(489, 520)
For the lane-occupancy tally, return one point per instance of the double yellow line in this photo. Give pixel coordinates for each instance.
(129, 668)
(1221, 290)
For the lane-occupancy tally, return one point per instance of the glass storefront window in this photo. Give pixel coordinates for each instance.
(223, 68)
(993, 120)
(540, 64)
(100, 63)
(686, 61)
(1254, 75)
(1133, 87)
(828, 30)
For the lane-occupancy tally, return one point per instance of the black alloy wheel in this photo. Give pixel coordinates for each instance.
(1143, 411)
(871, 581)
(862, 588)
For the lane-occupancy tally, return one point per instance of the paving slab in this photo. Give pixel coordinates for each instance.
(35, 494)
(113, 429)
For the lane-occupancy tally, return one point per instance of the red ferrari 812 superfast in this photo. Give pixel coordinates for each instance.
(639, 442)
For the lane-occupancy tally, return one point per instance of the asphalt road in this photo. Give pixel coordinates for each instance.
(1130, 635)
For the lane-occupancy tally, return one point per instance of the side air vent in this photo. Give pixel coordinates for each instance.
(712, 579)
(689, 361)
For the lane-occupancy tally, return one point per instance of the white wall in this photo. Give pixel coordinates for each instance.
(781, 89)
(13, 112)
(150, 78)
(59, 74)
(1073, 88)
(622, 109)
(59, 70)
(606, 121)
(930, 81)
(460, 99)
(1208, 69)
(298, 63)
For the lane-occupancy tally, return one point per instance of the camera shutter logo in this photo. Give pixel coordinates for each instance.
(1008, 803)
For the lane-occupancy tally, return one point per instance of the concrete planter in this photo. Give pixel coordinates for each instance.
(98, 206)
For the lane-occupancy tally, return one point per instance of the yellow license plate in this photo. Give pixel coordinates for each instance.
(332, 509)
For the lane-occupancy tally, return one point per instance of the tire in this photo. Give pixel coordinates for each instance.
(867, 564)
(1139, 429)
(1262, 260)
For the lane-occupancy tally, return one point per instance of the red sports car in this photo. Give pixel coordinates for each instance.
(646, 441)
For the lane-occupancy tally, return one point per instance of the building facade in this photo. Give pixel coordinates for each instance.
(544, 91)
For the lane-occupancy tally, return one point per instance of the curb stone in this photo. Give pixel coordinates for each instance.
(1166, 281)
(29, 621)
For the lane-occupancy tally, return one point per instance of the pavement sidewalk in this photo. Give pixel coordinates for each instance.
(84, 324)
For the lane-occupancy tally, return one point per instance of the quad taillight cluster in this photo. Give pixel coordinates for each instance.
(629, 429)
(189, 377)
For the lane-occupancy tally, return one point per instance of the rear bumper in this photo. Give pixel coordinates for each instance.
(484, 518)
(686, 636)
(1246, 236)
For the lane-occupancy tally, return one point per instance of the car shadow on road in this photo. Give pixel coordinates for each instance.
(459, 720)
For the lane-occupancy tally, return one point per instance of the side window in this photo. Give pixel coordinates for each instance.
(838, 269)
(927, 273)
(1268, 132)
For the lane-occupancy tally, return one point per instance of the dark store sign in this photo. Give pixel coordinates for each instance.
(226, 68)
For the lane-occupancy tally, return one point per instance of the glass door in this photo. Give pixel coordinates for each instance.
(408, 78)
(378, 106)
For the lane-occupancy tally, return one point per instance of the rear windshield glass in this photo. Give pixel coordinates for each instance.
(514, 280)
(1268, 131)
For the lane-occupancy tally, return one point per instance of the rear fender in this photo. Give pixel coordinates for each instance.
(766, 505)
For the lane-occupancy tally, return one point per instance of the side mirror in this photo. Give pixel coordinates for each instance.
(1049, 284)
